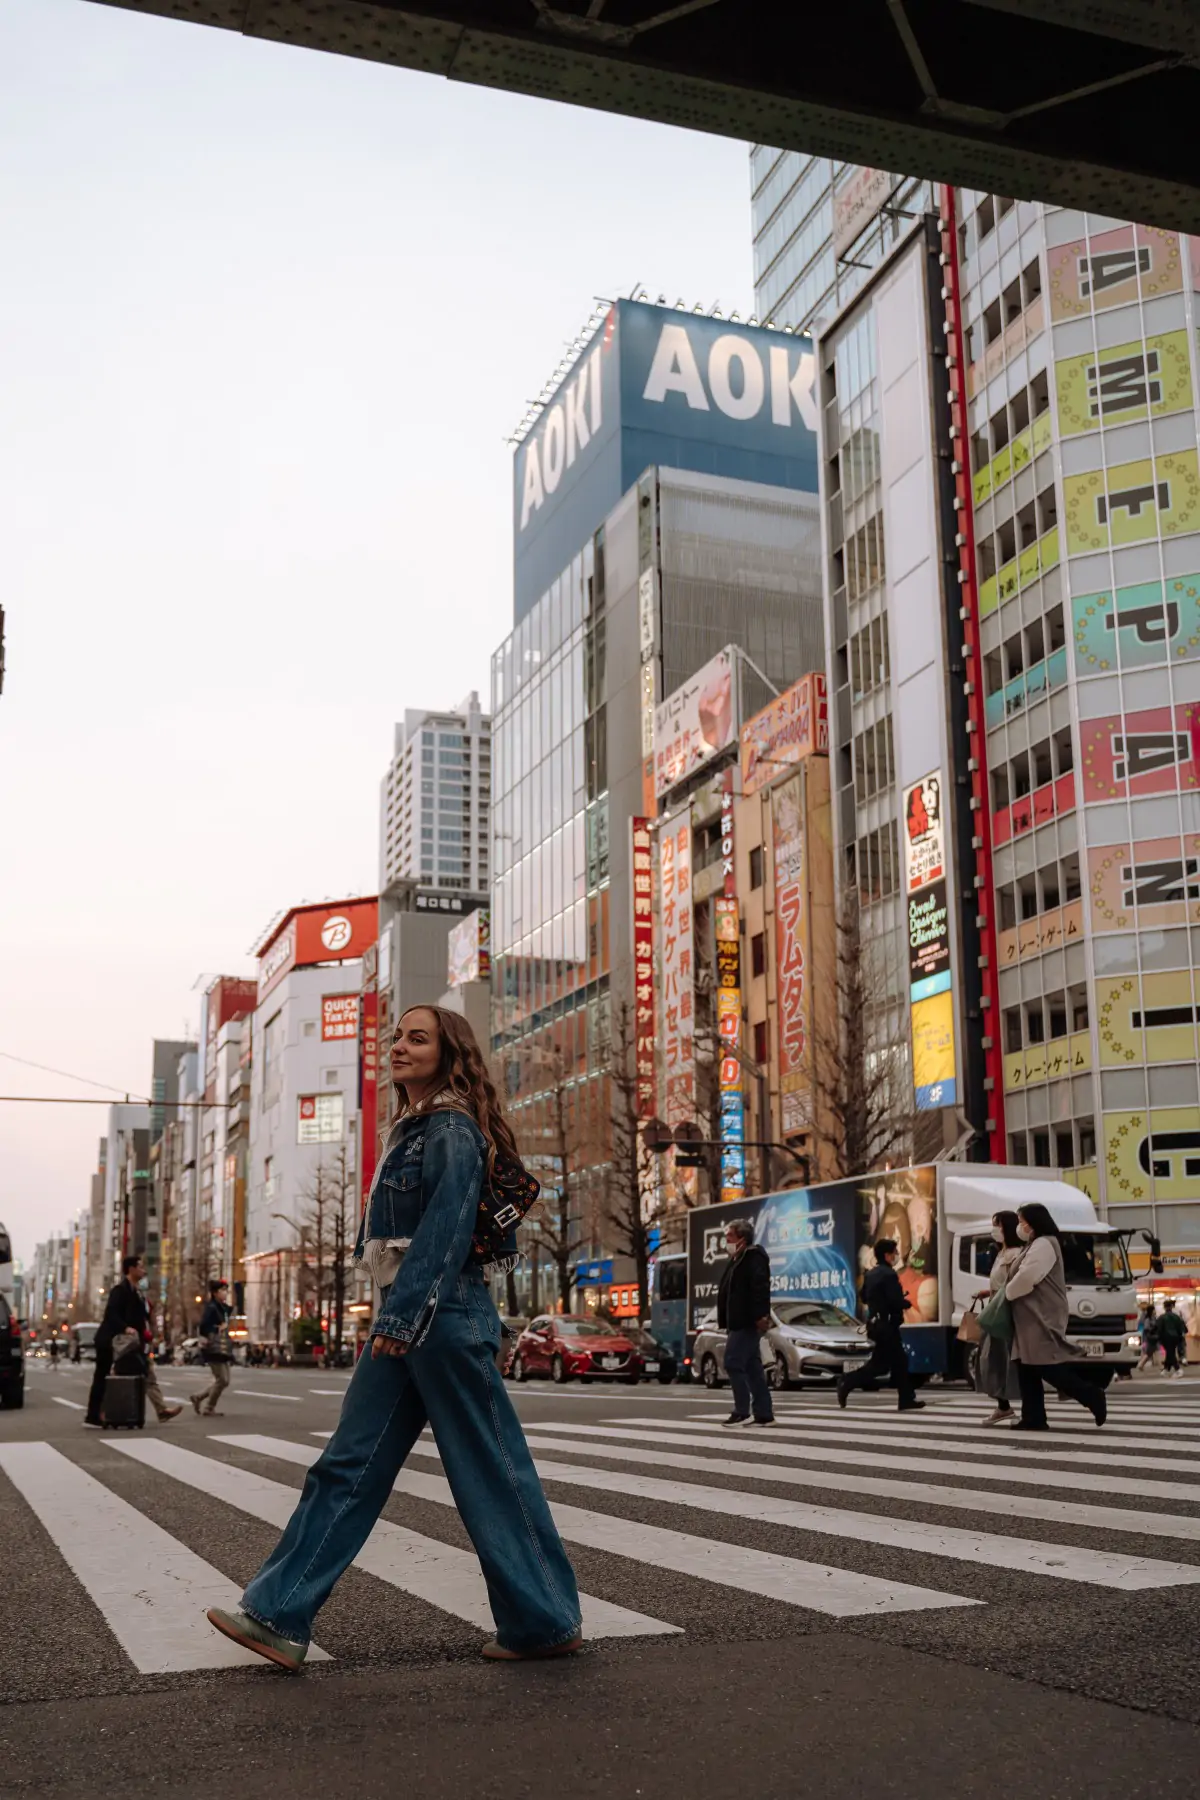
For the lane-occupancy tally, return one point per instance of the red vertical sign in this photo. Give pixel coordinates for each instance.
(368, 1087)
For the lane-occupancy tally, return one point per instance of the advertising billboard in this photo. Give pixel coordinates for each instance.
(1157, 496)
(1153, 1155)
(795, 724)
(657, 387)
(856, 202)
(791, 953)
(1111, 268)
(729, 1034)
(334, 931)
(677, 940)
(696, 722)
(320, 1118)
(1137, 627)
(468, 949)
(1150, 1018)
(642, 863)
(1154, 883)
(1135, 753)
(933, 1052)
(1145, 378)
(928, 941)
(819, 1242)
(339, 1017)
(924, 833)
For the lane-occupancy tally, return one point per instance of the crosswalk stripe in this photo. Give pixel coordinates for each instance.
(995, 1442)
(1065, 1562)
(882, 1431)
(443, 1575)
(841, 1593)
(151, 1590)
(828, 1449)
(1183, 1527)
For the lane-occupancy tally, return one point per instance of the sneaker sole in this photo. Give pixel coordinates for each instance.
(249, 1643)
(497, 1653)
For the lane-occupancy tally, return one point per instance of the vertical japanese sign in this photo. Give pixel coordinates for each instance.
(642, 864)
(791, 934)
(729, 1031)
(931, 1000)
(368, 1085)
(676, 927)
(728, 876)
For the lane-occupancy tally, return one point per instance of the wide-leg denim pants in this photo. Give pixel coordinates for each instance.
(452, 1383)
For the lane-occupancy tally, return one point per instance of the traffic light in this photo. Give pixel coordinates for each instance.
(689, 1146)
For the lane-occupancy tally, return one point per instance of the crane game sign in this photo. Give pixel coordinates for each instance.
(678, 967)
(791, 932)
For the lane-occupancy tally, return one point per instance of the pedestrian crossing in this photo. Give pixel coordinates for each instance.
(857, 1515)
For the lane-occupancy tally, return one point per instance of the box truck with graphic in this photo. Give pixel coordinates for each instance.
(819, 1240)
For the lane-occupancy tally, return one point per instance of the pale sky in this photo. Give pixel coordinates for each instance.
(266, 318)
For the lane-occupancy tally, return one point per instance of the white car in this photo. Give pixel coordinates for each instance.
(809, 1340)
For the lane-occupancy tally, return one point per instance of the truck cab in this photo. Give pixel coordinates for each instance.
(1101, 1295)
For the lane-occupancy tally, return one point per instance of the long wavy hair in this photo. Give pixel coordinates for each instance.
(462, 1072)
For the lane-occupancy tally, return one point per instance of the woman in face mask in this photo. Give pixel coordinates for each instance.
(1037, 1292)
(996, 1373)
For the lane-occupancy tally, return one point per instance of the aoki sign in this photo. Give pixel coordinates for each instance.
(654, 387)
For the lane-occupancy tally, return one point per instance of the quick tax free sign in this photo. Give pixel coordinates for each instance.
(658, 387)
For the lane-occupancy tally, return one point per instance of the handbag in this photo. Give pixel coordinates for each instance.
(504, 1200)
(996, 1318)
(970, 1331)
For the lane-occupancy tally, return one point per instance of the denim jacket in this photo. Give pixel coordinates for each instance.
(427, 1189)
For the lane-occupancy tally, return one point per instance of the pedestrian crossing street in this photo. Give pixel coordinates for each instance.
(841, 1515)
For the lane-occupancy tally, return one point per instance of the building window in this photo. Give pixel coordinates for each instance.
(756, 867)
(761, 1050)
(758, 954)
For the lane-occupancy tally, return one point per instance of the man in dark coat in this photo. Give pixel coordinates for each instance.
(214, 1338)
(886, 1305)
(744, 1313)
(125, 1310)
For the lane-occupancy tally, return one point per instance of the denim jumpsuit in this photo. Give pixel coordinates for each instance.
(427, 1189)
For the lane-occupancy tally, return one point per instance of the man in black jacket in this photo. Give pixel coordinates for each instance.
(884, 1300)
(125, 1310)
(744, 1313)
(215, 1349)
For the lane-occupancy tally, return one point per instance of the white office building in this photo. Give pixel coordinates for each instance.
(435, 801)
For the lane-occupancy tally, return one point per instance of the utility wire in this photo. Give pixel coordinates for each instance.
(66, 1076)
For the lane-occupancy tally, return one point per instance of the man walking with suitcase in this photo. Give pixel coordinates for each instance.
(214, 1339)
(126, 1310)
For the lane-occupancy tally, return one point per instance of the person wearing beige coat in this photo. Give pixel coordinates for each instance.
(1037, 1292)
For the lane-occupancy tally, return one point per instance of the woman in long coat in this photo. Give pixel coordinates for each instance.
(1037, 1292)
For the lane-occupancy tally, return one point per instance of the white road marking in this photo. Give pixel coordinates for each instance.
(445, 1576)
(1184, 1527)
(338, 1393)
(151, 1590)
(952, 1437)
(59, 1401)
(1065, 1562)
(838, 1592)
(1028, 1470)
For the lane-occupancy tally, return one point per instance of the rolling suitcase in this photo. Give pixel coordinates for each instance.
(124, 1404)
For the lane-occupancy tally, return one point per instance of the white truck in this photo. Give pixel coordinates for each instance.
(819, 1240)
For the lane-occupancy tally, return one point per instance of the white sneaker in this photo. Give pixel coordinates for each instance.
(1001, 1416)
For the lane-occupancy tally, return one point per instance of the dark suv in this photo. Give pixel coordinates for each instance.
(12, 1357)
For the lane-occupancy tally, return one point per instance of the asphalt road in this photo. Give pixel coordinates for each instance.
(880, 1604)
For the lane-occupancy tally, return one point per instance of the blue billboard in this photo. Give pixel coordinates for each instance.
(657, 387)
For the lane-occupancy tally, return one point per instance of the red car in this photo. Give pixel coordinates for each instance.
(564, 1345)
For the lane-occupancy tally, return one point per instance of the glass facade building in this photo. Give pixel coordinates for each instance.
(435, 801)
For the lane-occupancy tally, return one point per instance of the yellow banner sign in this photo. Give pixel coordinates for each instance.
(1152, 1156)
(1147, 1020)
(1154, 497)
(1039, 1063)
(1048, 931)
(1138, 380)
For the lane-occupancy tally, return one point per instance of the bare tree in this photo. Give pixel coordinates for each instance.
(548, 1133)
(319, 1196)
(864, 1116)
(625, 1209)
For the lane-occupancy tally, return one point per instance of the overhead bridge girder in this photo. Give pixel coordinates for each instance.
(1085, 103)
